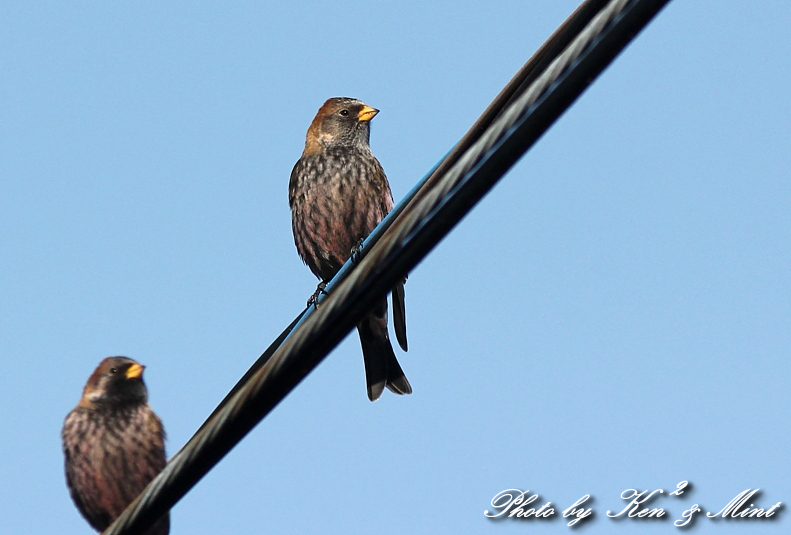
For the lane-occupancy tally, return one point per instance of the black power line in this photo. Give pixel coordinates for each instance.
(564, 66)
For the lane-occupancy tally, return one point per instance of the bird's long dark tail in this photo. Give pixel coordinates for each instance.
(399, 315)
(381, 366)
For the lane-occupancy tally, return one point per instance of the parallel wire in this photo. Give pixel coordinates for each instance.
(417, 228)
(527, 74)
(423, 204)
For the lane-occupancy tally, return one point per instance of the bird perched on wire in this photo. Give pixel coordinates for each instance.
(114, 444)
(338, 193)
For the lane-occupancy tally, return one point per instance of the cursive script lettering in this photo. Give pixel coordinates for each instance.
(679, 489)
(637, 501)
(579, 514)
(526, 505)
(688, 515)
(748, 512)
(509, 499)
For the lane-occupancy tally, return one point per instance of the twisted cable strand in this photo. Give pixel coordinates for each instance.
(356, 288)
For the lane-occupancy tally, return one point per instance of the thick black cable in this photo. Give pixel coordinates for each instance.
(429, 217)
(263, 359)
(526, 75)
(551, 47)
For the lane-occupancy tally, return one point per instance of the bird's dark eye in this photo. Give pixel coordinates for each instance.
(345, 112)
(113, 370)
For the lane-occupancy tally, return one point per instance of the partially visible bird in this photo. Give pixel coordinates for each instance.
(114, 444)
(338, 193)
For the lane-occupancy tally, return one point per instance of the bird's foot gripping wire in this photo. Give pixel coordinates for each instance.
(314, 299)
(355, 256)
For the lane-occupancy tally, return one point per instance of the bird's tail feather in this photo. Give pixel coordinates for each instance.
(399, 315)
(381, 366)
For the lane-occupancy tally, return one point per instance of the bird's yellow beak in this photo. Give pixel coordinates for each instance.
(135, 371)
(366, 114)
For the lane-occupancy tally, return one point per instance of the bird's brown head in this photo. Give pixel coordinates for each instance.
(117, 381)
(340, 122)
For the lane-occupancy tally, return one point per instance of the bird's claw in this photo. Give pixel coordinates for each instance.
(355, 256)
(314, 299)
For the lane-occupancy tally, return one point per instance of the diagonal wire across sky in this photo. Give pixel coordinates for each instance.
(548, 84)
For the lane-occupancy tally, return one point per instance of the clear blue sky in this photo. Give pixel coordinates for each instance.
(614, 315)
